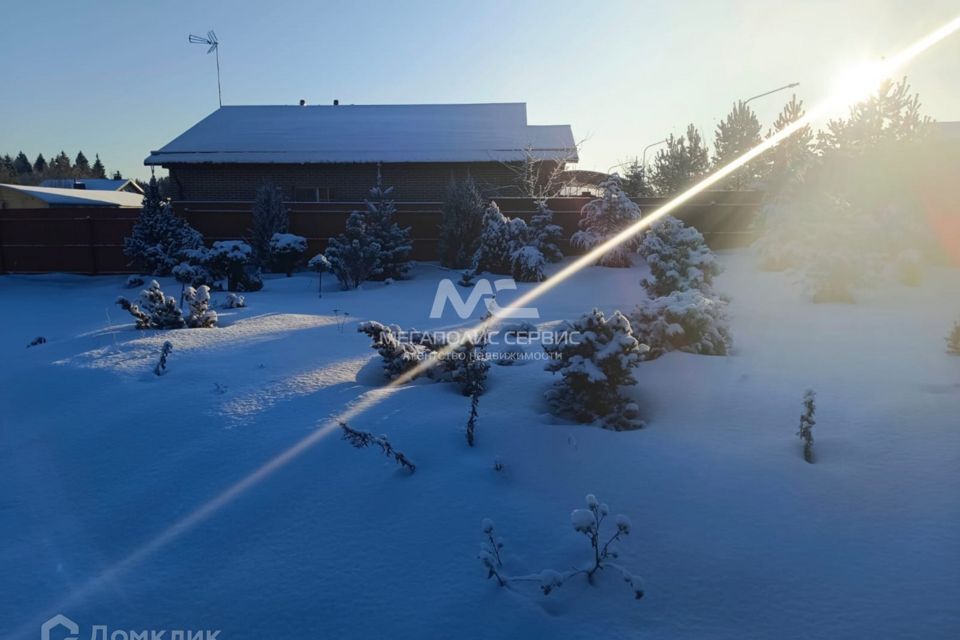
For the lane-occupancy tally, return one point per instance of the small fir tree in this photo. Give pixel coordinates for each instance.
(544, 234)
(154, 309)
(201, 316)
(605, 217)
(680, 163)
(270, 216)
(353, 255)
(736, 134)
(394, 240)
(678, 257)
(98, 170)
(461, 223)
(160, 239)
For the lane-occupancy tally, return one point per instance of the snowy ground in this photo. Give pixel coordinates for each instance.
(735, 536)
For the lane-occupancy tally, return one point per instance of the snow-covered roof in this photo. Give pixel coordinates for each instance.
(367, 133)
(79, 197)
(90, 184)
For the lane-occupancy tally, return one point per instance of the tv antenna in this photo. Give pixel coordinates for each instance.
(211, 41)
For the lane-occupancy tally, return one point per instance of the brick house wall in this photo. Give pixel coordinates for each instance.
(411, 182)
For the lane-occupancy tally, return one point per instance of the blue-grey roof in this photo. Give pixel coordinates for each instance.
(90, 184)
(367, 133)
(79, 197)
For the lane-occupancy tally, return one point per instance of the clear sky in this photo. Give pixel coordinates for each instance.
(120, 79)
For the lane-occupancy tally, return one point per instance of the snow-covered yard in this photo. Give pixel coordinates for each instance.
(113, 507)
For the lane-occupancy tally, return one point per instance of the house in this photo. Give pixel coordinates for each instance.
(333, 153)
(21, 196)
(93, 184)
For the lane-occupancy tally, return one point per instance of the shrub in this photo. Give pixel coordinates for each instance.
(398, 356)
(807, 422)
(159, 238)
(678, 257)
(201, 316)
(527, 264)
(544, 235)
(353, 255)
(461, 223)
(233, 260)
(688, 320)
(270, 217)
(286, 252)
(154, 310)
(234, 301)
(505, 248)
(605, 217)
(165, 350)
(593, 365)
(587, 521)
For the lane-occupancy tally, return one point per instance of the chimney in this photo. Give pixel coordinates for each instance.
(336, 103)
(302, 102)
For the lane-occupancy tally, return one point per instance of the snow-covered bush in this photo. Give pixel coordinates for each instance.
(234, 301)
(286, 252)
(154, 309)
(594, 363)
(201, 316)
(159, 237)
(398, 356)
(544, 234)
(807, 422)
(461, 223)
(133, 282)
(587, 521)
(394, 240)
(364, 439)
(605, 217)
(233, 260)
(193, 272)
(527, 264)
(678, 257)
(467, 366)
(690, 320)
(165, 350)
(953, 340)
(353, 255)
(270, 217)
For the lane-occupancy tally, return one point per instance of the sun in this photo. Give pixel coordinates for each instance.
(858, 81)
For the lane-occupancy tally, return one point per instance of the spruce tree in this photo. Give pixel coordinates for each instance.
(160, 239)
(680, 163)
(605, 217)
(544, 234)
(394, 240)
(60, 166)
(270, 216)
(97, 170)
(22, 165)
(81, 166)
(738, 133)
(8, 173)
(460, 224)
(40, 164)
(790, 159)
(353, 255)
(636, 181)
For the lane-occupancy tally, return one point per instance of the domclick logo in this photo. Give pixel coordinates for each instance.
(482, 290)
(56, 622)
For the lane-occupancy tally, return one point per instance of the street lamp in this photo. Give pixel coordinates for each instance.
(643, 161)
(786, 86)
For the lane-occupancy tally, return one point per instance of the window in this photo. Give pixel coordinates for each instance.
(312, 194)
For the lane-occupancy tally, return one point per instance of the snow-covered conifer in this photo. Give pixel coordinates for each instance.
(498, 240)
(807, 422)
(353, 255)
(270, 216)
(597, 360)
(398, 356)
(154, 309)
(234, 301)
(159, 237)
(461, 223)
(605, 217)
(689, 320)
(394, 240)
(201, 315)
(544, 234)
(364, 439)
(678, 257)
(286, 252)
(233, 260)
(527, 264)
(165, 350)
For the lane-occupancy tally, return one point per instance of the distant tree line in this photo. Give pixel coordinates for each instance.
(19, 170)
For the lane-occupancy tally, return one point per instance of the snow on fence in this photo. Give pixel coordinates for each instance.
(90, 240)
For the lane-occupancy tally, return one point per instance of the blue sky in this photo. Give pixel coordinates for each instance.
(120, 79)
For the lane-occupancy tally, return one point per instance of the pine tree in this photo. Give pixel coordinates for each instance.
(544, 234)
(789, 160)
(680, 163)
(738, 133)
(8, 172)
(353, 255)
(60, 166)
(460, 224)
(40, 164)
(81, 166)
(22, 165)
(497, 243)
(160, 239)
(97, 170)
(636, 181)
(394, 240)
(605, 217)
(678, 257)
(270, 216)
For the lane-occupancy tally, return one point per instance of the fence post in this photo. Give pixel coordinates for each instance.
(91, 226)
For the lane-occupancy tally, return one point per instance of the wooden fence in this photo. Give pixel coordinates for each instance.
(90, 240)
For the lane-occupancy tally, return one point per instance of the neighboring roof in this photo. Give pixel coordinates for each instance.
(949, 130)
(367, 133)
(79, 197)
(91, 184)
